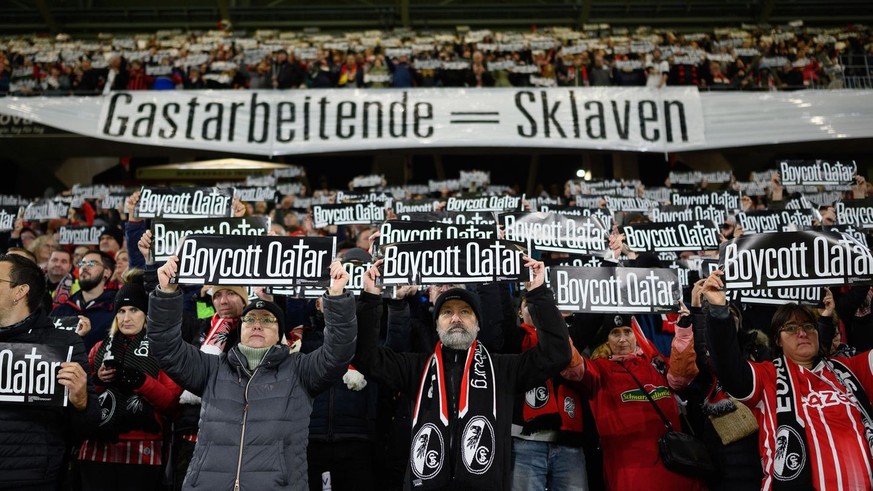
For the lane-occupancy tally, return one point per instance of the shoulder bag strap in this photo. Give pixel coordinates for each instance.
(667, 422)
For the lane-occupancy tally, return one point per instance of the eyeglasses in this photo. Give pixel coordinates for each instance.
(89, 263)
(808, 328)
(264, 321)
(8, 281)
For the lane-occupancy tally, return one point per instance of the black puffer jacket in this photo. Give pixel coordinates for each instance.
(34, 439)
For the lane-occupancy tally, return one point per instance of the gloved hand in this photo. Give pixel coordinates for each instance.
(131, 378)
(354, 380)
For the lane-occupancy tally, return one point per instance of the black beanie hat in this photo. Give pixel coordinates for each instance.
(457, 294)
(610, 322)
(116, 233)
(132, 295)
(274, 309)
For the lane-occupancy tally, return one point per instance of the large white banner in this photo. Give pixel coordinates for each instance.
(313, 121)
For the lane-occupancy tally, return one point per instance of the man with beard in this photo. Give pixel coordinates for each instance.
(462, 395)
(93, 303)
(60, 281)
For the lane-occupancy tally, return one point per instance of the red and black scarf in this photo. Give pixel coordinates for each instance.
(475, 453)
(220, 330)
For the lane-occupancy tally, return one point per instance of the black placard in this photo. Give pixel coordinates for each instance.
(663, 214)
(8, 215)
(485, 203)
(857, 212)
(80, 235)
(46, 209)
(347, 214)
(29, 374)
(698, 235)
(193, 202)
(769, 221)
(726, 199)
(414, 231)
(601, 290)
(816, 172)
(795, 259)
(453, 261)
(551, 232)
(168, 234)
(66, 323)
(255, 260)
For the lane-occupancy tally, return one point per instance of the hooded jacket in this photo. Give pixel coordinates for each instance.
(254, 425)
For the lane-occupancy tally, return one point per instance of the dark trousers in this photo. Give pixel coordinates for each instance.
(99, 476)
(350, 464)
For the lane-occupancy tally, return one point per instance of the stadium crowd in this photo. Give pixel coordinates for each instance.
(755, 58)
(179, 386)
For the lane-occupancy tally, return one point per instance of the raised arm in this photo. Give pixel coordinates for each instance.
(552, 352)
(184, 363)
(731, 368)
(328, 363)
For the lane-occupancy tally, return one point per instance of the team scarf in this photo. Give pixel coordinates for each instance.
(551, 405)
(219, 331)
(475, 454)
(129, 352)
(122, 410)
(63, 291)
(792, 468)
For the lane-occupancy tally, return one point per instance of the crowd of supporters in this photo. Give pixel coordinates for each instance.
(789, 57)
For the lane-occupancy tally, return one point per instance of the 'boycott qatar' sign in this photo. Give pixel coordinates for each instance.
(795, 259)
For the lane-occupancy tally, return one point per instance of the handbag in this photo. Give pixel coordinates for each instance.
(734, 425)
(680, 452)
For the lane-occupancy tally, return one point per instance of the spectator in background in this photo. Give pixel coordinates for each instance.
(377, 76)
(402, 73)
(194, 80)
(572, 72)
(287, 72)
(657, 70)
(169, 81)
(322, 74)
(111, 240)
(116, 74)
(790, 78)
(351, 75)
(137, 79)
(60, 282)
(600, 73)
(42, 248)
(262, 77)
(93, 303)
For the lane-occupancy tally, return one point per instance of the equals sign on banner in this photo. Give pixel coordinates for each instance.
(475, 117)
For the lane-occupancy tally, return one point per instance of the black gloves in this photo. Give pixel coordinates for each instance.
(131, 378)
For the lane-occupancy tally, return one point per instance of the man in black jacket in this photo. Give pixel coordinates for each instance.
(463, 395)
(34, 438)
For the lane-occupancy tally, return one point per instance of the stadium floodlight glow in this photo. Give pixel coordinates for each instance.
(584, 174)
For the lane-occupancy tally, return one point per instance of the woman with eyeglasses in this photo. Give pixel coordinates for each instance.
(136, 397)
(814, 412)
(256, 398)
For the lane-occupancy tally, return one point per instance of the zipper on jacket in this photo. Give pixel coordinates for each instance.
(242, 434)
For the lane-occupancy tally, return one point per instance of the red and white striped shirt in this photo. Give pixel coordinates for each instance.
(144, 452)
(837, 450)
